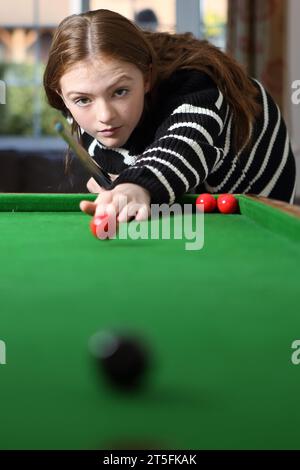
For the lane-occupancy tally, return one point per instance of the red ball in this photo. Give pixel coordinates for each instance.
(103, 226)
(208, 201)
(227, 204)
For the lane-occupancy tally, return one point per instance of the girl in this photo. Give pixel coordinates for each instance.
(164, 114)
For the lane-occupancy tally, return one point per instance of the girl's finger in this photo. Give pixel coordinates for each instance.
(128, 212)
(120, 201)
(88, 207)
(143, 213)
(94, 187)
(103, 203)
(110, 203)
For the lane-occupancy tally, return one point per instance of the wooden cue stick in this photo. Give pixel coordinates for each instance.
(90, 165)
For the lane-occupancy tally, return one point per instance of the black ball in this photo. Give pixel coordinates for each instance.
(123, 359)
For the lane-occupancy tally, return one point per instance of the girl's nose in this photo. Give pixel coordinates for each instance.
(105, 113)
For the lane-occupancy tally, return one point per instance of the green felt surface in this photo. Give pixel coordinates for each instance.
(219, 322)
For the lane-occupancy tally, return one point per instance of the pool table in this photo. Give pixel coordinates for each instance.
(219, 323)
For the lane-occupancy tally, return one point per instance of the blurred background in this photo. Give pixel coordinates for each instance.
(263, 35)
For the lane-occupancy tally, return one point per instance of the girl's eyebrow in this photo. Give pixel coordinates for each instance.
(122, 77)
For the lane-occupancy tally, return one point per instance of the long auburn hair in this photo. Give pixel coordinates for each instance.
(84, 36)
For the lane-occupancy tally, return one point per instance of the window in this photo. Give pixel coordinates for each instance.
(26, 30)
(214, 19)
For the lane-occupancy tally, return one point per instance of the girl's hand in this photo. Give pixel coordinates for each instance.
(94, 187)
(126, 201)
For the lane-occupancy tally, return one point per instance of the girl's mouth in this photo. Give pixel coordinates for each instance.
(110, 132)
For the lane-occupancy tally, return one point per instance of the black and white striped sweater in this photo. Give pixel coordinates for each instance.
(185, 144)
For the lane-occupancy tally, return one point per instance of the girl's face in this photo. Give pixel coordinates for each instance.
(105, 97)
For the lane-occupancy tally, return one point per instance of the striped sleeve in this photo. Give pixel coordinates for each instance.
(184, 150)
(267, 168)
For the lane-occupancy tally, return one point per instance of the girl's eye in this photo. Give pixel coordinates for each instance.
(81, 101)
(121, 92)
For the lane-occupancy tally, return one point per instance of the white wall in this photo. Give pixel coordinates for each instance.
(294, 74)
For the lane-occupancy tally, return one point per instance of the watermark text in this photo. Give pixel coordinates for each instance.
(176, 221)
(2, 352)
(296, 94)
(295, 358)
